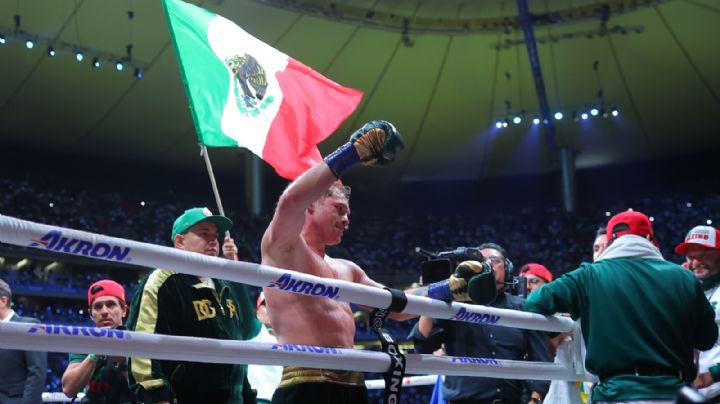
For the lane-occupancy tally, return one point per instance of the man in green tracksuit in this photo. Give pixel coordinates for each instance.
(641, 316)
(178, 304)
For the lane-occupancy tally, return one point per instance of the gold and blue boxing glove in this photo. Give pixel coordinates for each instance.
(473, 281)
(377, 143)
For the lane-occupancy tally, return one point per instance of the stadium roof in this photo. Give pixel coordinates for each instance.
(444, 71)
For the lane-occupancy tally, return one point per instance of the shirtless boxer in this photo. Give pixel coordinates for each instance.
(311, 214)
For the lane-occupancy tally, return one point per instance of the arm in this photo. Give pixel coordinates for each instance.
(376, 143)
(359, 276)
(564, 294)
(36, 373)
(284, 230)
(425, 325)
(77, 375)
(427, 344)
(146, 379)
(229, 249)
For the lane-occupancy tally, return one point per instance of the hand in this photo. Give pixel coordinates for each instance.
(703, 380)
(230, 250)
(377, 143)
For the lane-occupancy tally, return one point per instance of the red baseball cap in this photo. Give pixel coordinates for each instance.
(538, 270)
(630, 222)
(706, 236)
(105, 287)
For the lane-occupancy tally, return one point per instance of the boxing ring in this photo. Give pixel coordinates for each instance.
(80, 339)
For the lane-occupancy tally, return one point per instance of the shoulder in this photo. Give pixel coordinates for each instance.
(157, 278)
(346, 264)
(153, 283)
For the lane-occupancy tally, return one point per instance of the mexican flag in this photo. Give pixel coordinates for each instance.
(245, 93)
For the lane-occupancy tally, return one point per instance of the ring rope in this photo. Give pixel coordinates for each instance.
(376, 384)
(105, 341)
(74, 242)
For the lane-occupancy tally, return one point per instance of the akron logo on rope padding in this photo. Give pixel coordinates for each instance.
(79, 330)
(464, 315)
(287, 282)
(54, 241)
(482, 361)
(306, 348)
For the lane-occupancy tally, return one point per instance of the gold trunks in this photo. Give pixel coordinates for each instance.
(294, 375)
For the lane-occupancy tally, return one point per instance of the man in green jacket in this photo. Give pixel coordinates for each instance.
(179, 304)
(641, 316)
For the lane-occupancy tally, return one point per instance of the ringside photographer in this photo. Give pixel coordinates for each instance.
(484, 341)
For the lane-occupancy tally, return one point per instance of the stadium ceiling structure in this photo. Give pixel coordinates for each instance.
(453, 75)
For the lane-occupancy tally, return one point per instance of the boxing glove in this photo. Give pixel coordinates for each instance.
(377, 143)
(469, 276)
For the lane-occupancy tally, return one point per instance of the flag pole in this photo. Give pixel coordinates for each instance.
(204, 152)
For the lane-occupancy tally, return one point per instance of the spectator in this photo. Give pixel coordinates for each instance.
(103, 379)
(22, 374)
(658, 305)
(535, 275)
(702, 251)
(600, 243)
(179, 304)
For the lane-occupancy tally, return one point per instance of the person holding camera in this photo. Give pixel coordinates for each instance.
(485, 341)
(103, 379)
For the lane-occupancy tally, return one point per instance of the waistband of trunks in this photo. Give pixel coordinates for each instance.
(295, 375)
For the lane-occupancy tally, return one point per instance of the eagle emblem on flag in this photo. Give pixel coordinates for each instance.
(250, 84)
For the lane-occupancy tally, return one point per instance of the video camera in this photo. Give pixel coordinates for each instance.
(440, 265)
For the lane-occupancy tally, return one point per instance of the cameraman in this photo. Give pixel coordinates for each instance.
(102, 378)
(486, 341)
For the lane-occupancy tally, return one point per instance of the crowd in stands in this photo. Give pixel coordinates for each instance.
(382, 244)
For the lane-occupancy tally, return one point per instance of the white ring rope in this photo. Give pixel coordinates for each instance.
(412, 381)
(80, 243)
(80, 339)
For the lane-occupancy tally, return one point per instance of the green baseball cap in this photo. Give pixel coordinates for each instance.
(194, 216)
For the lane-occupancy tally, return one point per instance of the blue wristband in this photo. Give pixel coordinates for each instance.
(440, 291)
(342, 159)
